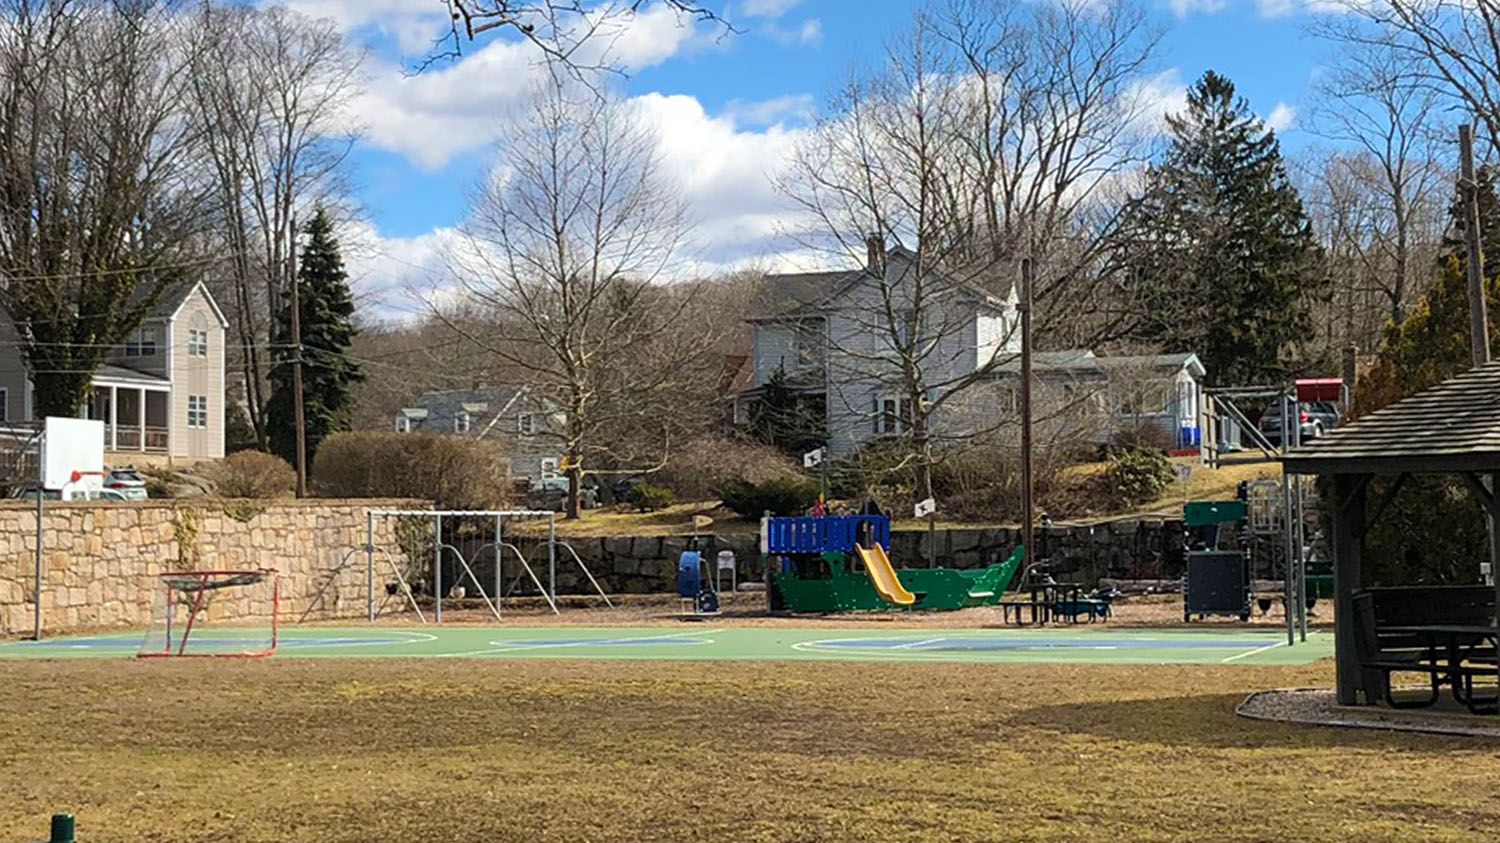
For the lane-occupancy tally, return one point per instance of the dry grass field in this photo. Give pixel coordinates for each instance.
(402, 750)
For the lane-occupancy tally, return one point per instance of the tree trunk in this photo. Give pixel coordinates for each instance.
(575, 482)
(59, 394)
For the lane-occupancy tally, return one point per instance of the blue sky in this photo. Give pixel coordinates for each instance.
(725, 105)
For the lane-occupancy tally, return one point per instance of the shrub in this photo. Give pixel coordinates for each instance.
(252, 474)
(648, 498)
(451, 471)
(1139, 474)
(700, 468)
(779, 496)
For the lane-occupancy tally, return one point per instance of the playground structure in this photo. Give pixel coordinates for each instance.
(1278, 526)
(839, 564)
(443, 536)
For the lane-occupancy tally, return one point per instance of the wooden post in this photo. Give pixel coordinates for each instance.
(1028, 516)
(1348, 542)
(300, 409)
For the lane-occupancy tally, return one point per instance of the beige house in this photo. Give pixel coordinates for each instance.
(161, 391)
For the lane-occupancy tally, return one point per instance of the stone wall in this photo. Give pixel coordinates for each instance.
(101, 562)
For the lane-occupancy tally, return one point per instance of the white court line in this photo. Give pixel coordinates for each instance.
(1273, 645)
(504, 647)
(911, 645)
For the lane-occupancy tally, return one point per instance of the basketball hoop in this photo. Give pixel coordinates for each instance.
(182, 625)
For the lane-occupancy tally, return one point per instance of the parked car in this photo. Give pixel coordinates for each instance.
(1315, 419)
(128, 482)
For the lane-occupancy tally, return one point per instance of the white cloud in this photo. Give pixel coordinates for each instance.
(1281, 117)
(808, 33)
(1277, 8)
(1183, 8)
(415, 25)
(766, 8)
(446, 111)
(1157, 97)
(794, 108)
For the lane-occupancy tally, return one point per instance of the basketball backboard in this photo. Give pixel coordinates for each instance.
(70, 445)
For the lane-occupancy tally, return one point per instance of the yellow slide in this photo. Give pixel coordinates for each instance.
(883, 576)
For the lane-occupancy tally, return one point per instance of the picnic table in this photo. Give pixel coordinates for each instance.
(1049, 601)
(1456, 653)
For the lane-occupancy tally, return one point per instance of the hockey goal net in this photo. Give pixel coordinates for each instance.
(225, 614)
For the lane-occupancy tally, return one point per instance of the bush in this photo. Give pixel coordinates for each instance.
(699, 469)
(451, 471)
(648, 498)
(1139, 474)
(252, 474)
(779, 496)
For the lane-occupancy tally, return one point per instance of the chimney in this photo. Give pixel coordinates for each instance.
(874, 251)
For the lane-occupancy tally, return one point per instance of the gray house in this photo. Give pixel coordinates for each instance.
(829, 334)
(160, 392)
(526, 427)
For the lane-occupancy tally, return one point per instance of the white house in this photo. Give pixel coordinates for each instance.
(508, 415)
(828, 332)
(160, 392)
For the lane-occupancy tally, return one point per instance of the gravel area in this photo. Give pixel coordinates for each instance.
(1319, 707)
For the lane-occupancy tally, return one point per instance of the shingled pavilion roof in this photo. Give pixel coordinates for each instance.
(1451, 427)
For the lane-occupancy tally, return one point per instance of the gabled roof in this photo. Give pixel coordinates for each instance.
(789, 295)
(172, 299)
(1451, 427)
(1084, 361)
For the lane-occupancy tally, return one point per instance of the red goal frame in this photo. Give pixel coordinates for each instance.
(206, 582)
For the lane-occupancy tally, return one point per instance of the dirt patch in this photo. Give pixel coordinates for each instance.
(334, 751)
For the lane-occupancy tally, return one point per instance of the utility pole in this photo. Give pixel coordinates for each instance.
(1028, 523)
(1479, 334)
(300, 410)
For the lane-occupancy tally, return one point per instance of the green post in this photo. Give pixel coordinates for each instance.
(62, 829)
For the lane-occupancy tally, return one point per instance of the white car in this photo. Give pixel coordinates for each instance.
(128, 482)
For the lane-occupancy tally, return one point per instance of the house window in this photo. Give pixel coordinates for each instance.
(892, 415)
(462, 422)
(4, 405)
(526, 424)
(403, 423)
(549, 468)
(197, 343)
(141, 342)
(198, 411)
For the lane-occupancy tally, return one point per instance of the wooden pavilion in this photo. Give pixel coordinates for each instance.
(1451, 428)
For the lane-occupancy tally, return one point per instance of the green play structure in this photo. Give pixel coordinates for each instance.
(838, 564)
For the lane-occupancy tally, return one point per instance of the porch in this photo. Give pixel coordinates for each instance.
(135, 408)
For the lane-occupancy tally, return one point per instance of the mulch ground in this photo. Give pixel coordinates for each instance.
(435, 750)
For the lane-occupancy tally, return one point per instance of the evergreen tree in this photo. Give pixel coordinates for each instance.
(785, 419)
(1434, 542)
(1218, 252)
(328, 375)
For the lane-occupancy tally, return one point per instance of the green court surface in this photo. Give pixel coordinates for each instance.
(1098, 645)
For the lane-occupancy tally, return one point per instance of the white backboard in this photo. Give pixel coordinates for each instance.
(925, 508)
(70, 445)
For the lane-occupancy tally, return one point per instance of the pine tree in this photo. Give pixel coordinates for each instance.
(1432, 345)
(328, 375)
(1218, 252)
(786, 419)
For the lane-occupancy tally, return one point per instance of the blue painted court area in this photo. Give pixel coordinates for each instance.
(1097, 644)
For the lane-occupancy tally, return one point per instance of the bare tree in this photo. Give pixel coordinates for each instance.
(985, 137)
(1372, 103)
(569, 248)
(101, 200)
(270, 89)
(1448, 46)
(559, 29)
